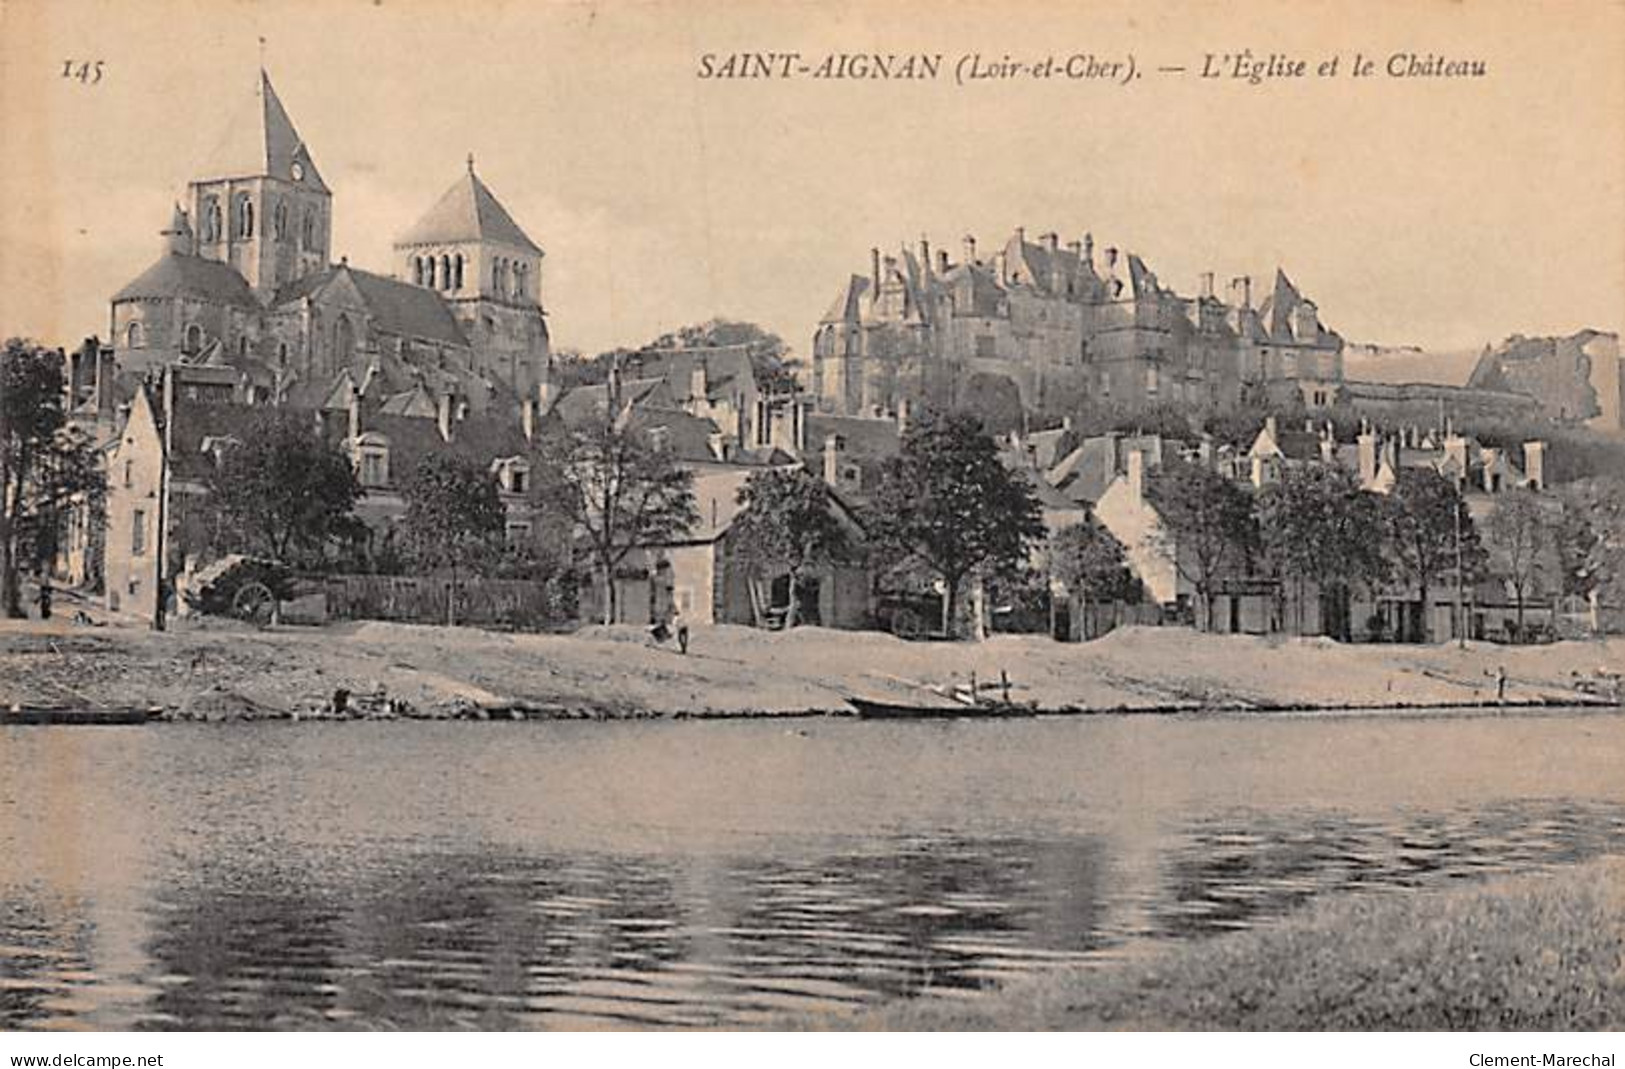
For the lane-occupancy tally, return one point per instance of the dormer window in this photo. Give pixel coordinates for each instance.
(513, 475)
(134, 337)
(372, 459)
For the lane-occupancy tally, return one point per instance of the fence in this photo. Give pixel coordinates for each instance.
(508, 604)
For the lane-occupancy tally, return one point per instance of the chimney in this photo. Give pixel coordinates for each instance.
(443, 416)
(942, 261)
(1075, 248)
(544, 397)
(1534, 465)
(1241, 291)
(1366, 447)
(1136, 478)
(1491, 460)
(925, 255)
(1273, 429)
(874, 274)
(1021, 235)
(1089, 248)
(1111, 256)
(1390, 453)
(1052, 241)
(355, 413)
(798, 417)
(1455, 450)
(696, 381)
(527, 418)
(1206, 285)
(902, 416)
(970, 249)
(832, 460)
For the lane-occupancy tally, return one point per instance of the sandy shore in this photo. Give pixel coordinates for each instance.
(223, 670)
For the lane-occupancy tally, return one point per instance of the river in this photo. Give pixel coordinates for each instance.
(692, 873)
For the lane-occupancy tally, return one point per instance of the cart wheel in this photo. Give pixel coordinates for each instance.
(254, 603)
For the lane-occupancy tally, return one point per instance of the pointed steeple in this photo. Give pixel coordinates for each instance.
(178, 234)
(261, 141)
(466, 212)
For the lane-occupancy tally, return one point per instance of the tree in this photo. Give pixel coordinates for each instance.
(768, 353)
(1428, 532)
(788, 527)
(1521, 533)
(1590, 541)
(45, 465)
(948, 502)
(625, 493)
(1207, 527)
(282, 493)
(1318, 528)
(1092, 563)
(454, 518)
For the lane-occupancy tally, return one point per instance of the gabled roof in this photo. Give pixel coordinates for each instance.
(468, 211)
(176, 275)
(592, 402)
(847, 307)
(261, 140)
(396, 307)
(727, 369)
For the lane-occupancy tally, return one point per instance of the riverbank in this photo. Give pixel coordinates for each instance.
(224, 671)
(1541, 953)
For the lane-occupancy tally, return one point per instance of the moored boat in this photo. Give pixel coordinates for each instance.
(872, 709)
(60, 714)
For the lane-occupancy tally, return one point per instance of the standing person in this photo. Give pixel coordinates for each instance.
(1500, 683)
(45, 597)
(681, 626)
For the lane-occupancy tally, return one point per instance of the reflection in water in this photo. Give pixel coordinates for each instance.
(405, 879)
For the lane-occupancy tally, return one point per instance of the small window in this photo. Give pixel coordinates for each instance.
(245, 216)
(133, 338)
(242, 345)
(194, 338)
(308, 233)
(457, 272)
(445, 272)
(516, 480)
(282, 354)
(518, 531)
(374, 467)
(138, 533)
(279, 220)
(129, 473)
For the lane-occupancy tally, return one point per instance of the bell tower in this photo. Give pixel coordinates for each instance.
(262, 206)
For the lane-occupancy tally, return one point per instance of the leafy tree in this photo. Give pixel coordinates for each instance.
(948, 502)
(282, 493)
(1521, 532)
(45, 465)
(1207, 528)
(789, 527)
(624, 492)
(1318, 528)
(1426, 525)
(1092, 563)
(454, 518)
(1590, 541)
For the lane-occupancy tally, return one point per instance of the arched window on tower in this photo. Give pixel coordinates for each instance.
(343, 340)
(457, 273)
(279, 220)
(417, 270)
(431, 273)
(307, 233)
(194, 338)
(496, 277)
(282, 354)
(133, 338)
(445, 271)
(211, 219)
(245, 216)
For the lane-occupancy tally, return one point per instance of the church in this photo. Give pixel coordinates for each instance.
(245, 280)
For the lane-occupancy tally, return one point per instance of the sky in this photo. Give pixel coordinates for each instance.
(1426, 211)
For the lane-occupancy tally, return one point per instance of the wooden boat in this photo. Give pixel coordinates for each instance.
(59, 714)
(871, 709)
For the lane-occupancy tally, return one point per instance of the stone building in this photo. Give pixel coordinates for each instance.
(245, 269)
(1061, 326)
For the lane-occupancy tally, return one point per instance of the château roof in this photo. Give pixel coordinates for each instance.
(468, 211)
(179, 275)
(397, 307)
(261, 140)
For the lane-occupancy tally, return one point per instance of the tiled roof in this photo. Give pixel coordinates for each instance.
(396, 307)
(176, 275)
(468, 211)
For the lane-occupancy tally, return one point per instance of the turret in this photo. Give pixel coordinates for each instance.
(178, 234)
